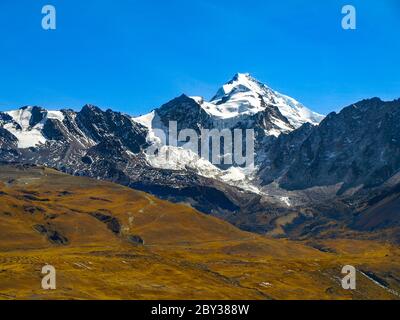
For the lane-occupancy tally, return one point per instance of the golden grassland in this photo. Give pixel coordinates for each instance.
(185, 255)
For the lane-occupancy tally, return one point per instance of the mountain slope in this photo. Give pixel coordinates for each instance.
(111, 242)
(359, 146)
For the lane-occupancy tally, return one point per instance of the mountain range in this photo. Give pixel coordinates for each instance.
(314, 176)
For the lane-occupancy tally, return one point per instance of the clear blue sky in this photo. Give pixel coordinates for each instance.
(133, 56)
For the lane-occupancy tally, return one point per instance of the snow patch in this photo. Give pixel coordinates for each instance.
(56, 115)
(29, 136)
(286, 201)
(26, 138)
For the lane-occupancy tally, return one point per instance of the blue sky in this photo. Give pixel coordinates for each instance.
(132, 56)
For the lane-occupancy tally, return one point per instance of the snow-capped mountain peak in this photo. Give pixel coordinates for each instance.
(241, 82)
(242, 103)
(245, 95)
